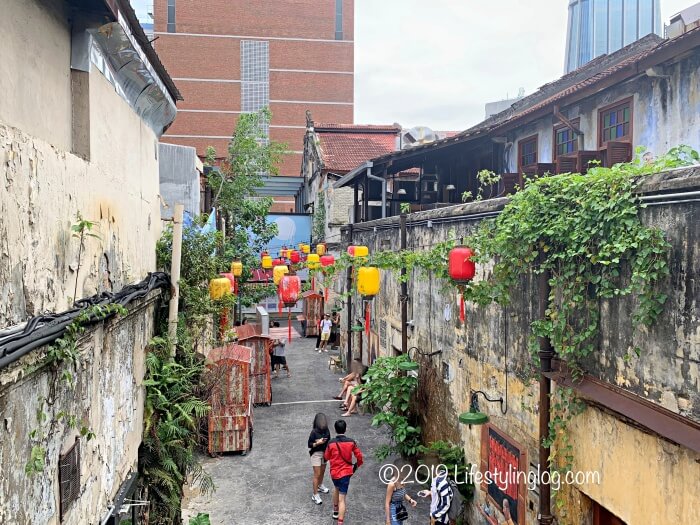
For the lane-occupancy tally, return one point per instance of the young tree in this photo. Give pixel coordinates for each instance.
(251, 155)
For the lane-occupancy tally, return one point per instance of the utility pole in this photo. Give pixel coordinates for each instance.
(178, 213)
(545, 354)
(404, 291)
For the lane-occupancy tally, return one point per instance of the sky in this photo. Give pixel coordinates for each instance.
(437, 63)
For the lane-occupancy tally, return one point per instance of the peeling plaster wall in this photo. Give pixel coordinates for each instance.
(666, 372)
(666, 113)
(108, 397)
(43, 185)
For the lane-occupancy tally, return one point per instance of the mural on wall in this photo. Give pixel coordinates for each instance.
(292, 229)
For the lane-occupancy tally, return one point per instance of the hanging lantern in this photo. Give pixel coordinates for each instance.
(321, 249)
(231, 279)
(266, 262)
(326, 261)
(305, 248)
(278, 272)
(461, 269)
(237, 268)
(358, 251)
(278, 262)
(219, 288)
(294, 257)
(313, 261)
(263, 254)
(289, 289)
(368, 282)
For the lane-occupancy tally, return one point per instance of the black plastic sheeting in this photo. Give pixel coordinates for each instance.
(44, 329)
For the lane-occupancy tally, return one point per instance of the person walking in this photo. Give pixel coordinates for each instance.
(318, 441)
(326, 325)
(440, 497)
(395, 497)
(339, 453)
(278, 357)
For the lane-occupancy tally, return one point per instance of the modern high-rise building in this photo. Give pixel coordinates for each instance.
(234, 56)
(599, 27)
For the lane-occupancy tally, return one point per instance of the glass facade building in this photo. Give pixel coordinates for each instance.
(599, 27)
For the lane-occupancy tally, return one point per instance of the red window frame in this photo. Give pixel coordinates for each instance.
(530, 156)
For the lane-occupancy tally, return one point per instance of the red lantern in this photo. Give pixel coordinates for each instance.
(294, 257)
(289, 290)
(278, 262)
(263, 254)
(326, 260)
(461, 269)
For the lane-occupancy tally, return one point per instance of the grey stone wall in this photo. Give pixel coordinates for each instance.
(490, 351)
(108, 397)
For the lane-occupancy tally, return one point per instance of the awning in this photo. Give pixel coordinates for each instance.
(349, 177)
(279, 186)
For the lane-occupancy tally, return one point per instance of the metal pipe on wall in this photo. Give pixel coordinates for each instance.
(546, 354)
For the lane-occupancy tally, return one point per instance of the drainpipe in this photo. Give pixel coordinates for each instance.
(546, 354)
(348, 358)
(404, 292)
(383, 181)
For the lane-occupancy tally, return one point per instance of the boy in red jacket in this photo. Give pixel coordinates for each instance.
(339, 453)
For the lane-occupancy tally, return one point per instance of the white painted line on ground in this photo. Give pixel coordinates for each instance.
(306, 402)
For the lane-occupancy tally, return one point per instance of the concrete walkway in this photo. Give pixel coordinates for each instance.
(272, 484)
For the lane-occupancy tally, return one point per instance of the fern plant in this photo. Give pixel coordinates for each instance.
(173, 409)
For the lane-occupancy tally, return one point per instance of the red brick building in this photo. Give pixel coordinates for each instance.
(233, 56)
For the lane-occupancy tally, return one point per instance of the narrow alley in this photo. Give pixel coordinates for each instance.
(272, 484)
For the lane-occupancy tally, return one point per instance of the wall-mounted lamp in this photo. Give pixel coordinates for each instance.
(401, 192)
(475, 416)
(450, 187)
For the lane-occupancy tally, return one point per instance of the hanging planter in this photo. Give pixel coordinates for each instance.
(461, 269)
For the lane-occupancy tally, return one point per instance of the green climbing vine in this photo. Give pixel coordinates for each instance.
(320, 217)
(61, 361)
(585, 231)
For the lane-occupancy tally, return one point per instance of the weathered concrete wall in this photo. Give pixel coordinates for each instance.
(179, 179)
(495, 338)
(666, 112)
(108, 397)
(43, 186)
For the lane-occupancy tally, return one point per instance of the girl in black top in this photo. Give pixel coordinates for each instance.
(318, 440)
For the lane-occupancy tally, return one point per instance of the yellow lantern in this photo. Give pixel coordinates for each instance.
(358, 251)
(305, 248)
(313, 261)
(219, 288)
(368, 281)
(278, 272)
(321, 249)
(266, 262)
(237, 268)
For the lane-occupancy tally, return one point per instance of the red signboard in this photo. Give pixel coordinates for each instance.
(504, 469)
